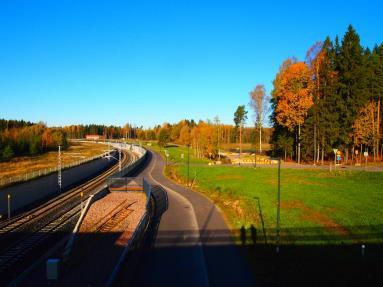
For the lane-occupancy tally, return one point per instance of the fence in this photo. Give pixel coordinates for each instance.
(42, 172)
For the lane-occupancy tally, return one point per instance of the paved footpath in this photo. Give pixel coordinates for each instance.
(193, 245)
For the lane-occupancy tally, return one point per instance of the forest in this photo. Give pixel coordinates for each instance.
(332, 100)
(25, 138)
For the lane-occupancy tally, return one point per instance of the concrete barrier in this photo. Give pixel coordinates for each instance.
(26, 193)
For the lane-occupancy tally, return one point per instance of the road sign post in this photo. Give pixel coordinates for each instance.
(166, 156)
(335, 151)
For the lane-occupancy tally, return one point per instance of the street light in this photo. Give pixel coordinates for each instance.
(119, 157)
(188, 163)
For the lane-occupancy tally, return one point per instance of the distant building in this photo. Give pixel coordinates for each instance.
(93, 137)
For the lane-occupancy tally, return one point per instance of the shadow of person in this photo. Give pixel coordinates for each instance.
(253, 232)
(243, 235)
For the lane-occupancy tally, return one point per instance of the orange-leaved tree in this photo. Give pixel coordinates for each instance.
(293, 96)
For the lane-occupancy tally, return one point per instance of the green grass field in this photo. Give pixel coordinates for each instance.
(317, 207)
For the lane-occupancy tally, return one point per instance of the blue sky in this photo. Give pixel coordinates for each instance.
(148, 62)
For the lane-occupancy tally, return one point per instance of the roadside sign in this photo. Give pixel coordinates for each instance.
(335, 150)
(356, 152)
(365, 153)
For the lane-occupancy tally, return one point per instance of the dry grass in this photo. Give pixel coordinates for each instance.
(245, 146)
(22, 165)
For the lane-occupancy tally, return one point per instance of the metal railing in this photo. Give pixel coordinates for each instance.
(130, 184)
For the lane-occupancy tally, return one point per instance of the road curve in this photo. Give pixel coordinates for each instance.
(192, 245)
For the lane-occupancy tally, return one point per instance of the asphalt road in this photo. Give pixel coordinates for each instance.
(192, 245)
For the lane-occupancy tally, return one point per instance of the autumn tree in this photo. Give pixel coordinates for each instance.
(259, 102)
(293, 97)
(164, 136)
(185, 137)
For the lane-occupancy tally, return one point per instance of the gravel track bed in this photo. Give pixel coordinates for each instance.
(103, 207)
(95, 254)
(132, 221)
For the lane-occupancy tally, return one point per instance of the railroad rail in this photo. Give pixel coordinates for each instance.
(24, 234)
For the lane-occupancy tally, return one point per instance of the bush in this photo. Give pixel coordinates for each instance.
(7, 153)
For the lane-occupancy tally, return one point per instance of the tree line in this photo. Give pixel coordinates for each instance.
(107, 132)
(26, 138)
(206, 138)
(331, 100)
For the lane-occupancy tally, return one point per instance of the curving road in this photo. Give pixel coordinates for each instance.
(191, 246)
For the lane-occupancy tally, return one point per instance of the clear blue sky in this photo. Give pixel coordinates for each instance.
(147, 62)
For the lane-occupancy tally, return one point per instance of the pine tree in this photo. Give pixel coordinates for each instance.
(351, 84)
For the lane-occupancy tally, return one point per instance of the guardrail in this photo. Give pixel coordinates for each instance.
(142, 225)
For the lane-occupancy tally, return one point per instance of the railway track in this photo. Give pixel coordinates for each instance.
(116, 216)
(22, 237)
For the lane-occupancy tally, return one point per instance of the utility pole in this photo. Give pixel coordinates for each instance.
(59, 169)
(119, 158)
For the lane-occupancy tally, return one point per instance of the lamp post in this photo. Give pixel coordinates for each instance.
(119, 158)
(188, 164)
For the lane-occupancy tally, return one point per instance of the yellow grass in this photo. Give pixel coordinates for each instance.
(22, 165)
(245, 146)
